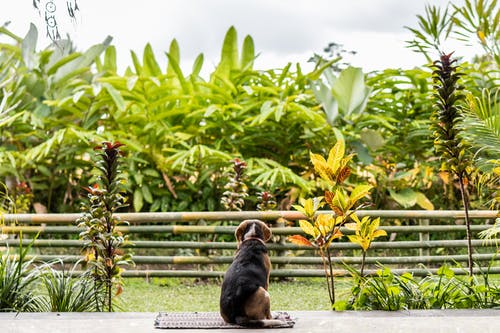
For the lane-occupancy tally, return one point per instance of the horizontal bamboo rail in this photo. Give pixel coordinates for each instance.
(194, 229)
(164, 217)
(297, 272)
(271, 246)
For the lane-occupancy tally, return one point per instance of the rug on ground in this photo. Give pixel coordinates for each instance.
(174, 320)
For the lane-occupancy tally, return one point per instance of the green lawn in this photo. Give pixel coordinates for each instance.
(173, 294)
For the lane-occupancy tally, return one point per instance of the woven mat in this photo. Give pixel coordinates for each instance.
(170, 320)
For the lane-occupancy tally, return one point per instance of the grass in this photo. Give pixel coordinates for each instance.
(188, 295)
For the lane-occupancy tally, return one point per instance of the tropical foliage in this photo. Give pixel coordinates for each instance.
(443, 290)
(17, 279)
(28, 287)
(324, 228)
(182, 130)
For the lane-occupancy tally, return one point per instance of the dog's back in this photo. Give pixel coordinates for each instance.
(245, 276)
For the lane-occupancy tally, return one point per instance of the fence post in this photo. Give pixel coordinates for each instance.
(424, 237)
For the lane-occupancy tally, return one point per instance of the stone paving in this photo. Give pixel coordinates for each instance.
(435, 321)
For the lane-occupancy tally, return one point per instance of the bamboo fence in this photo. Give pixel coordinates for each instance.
(162, 239)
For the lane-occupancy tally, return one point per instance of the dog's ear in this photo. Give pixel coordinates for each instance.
(240, 230)
(266, 231)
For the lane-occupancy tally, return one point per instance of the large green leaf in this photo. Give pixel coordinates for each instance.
(247, 54)
(28, 47)
(110, 59)
(151, 67)
(350, 91)
(138, 200)
(178, 74)
(197, 65)
(136, 62)
(482, 122)
(423, 201)
(115, 96)
(174, 54)
(81, 63)
(406, 198)
(325, 97)
(229, 54)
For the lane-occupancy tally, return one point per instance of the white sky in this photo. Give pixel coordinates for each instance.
(283, 30)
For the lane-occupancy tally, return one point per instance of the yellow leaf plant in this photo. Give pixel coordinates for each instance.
(322, 228)
(365, 231)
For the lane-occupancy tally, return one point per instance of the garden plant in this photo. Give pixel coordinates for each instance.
(324, 228)
(104, 243)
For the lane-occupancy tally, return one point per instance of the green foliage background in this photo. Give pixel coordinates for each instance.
(182, 130)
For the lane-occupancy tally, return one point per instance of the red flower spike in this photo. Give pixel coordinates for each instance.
(109, 145)
(239, 163)
(266, 196)
(92, 189)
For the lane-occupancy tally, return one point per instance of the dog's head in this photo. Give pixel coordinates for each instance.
(252, 229)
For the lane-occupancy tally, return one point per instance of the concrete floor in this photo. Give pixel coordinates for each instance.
(434, 321)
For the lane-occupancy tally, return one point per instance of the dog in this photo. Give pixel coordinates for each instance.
(244, 298)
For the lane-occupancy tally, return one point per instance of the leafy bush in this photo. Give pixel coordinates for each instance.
(443, 290)
(17, 281)
(63, 291)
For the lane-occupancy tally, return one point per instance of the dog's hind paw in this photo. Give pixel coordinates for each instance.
(283, 316)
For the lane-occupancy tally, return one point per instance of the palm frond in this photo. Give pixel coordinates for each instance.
(481, 124)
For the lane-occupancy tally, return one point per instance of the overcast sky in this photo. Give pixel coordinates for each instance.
(283, 30)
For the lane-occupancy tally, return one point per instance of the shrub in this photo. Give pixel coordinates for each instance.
(64, 291)
(443, 290)
(17, 281)
(103, 242)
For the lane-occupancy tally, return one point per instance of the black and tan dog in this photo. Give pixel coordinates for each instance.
(244, 298)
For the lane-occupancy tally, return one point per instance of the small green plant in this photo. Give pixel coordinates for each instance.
(324, 228)
(265, 201)
(233, 198)
(17, 279)
(103, 241)
(365, 231)
(447, 141)
(17, 200)
(443, 290)
(386, 291)
(64, 291)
